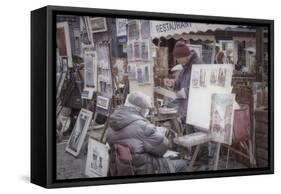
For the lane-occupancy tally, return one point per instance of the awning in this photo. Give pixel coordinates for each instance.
(176, 30)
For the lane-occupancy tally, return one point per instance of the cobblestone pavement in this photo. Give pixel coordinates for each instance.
(70, 167)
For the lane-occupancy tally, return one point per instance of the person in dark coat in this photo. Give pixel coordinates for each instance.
(183, 55)
(130, 128)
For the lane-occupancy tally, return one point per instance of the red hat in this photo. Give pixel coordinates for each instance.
(181, 50)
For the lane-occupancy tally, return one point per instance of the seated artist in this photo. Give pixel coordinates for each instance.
(130, 128)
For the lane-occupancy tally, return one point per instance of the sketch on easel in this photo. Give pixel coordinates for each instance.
(222, 117)
(213, 77)
(203, 78)
(221, 77)
(204, 82)
(195, 79)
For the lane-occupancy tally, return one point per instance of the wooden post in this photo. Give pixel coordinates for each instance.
(259, 52)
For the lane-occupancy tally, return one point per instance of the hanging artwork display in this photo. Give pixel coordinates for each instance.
(62, 67)
(206, 79)
(145, 29)
(86, 37)
(130, 52)
(137, 50)
(131, 69)
(133, 30)
(143, 74)
(103, 102)
(98, 24)
(121, 27)
(97, 163)
(105, 87)
(63, 42)
(79, 132)
(146, 74)
(140, 77)
(144, 50)
(90, 68)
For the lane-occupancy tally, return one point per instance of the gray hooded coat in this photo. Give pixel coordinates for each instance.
(130, 129)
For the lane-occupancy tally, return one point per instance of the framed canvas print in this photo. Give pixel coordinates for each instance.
(97, 163)
(126, 96)
(102, 102)
(78, 134)
(98, 24)
(63, 41)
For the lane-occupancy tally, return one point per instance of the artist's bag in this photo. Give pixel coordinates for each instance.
(121, 161)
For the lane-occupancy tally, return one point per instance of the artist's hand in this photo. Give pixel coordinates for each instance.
(181, 94)
(169, 82)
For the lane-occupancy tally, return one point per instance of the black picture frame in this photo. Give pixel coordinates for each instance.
(43, 90)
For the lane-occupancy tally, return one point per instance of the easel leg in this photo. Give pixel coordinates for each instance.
(227, 158)
(251, 154)
(194, 157)
(217, 156)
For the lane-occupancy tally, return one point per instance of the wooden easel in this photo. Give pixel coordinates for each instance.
(198, 139)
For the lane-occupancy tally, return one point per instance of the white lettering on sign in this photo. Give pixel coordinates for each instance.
(170, 26)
